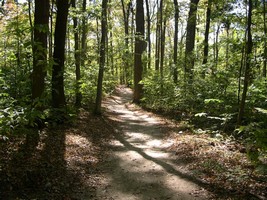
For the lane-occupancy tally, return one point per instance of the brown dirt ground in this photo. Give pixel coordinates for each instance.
(126, 154)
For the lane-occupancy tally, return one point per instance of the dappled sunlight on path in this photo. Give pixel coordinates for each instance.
(140, 165)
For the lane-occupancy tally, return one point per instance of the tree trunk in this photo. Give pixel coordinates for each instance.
(102, 55)
(50, 39)
(126, 15)
(148, 39)
(249, 46)
(175, 46)
(77, 57)
(162, 47)
(227, 26)
(31, 24)
(132, 30)
(241, 69)
(206, 40)
(139, 49)
(265, 40)
(84, 34)
(58, 95)
(190, 41)
(216, 48)
(111, 52)
(41, 30)
(158, 33)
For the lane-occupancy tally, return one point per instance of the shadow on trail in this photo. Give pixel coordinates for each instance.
(128, 123)
(54, 168)
(216, 190)
(35, 168)
(141, 186)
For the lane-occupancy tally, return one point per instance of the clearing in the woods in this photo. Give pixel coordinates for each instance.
(126, 154)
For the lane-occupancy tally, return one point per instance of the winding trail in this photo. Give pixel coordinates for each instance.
(140, 165)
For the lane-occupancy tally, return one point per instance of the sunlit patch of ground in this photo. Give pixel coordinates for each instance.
(220, 162)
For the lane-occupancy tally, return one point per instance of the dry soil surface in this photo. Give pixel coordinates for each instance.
(139, 165)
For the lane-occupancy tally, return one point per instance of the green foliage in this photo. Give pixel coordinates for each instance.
(159, 93)
(11, 118)
(255, 136)
(257, 96)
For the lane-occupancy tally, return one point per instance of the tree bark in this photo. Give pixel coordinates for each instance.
(227, 26)
(102, 57)
(41, 31)
(148, 34)
(158, 34)
(206, 40)
(175, 46)
(216, 48)
(84, 34)
(265, 41)
(50, 38)
(249, 46)
(190, 41)
(58, 95)
(162, 46)
(139, 49)
(126, 15)
(241, 69)
(77, 57)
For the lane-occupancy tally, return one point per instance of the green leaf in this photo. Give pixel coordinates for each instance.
(206, 101)
(201, 114)
(261, 110)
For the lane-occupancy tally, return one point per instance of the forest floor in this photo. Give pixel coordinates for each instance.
(126, 154)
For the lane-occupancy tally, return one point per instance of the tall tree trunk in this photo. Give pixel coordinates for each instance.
(84, 34)
(161, 38)
(227, 25)
(139, 49)
(132, 29)
(77, 57)
(50, 38)
(126, 15)
(109, 56)
(190, 41)
(206, 40)
(111, 52)
(242, 63)
(265, 40)
(31, 24)
(162, 46)
(58, 95)
(102, 59)
(148, 39)
(216, 48)
(41, 31)
(175, 45)
(249, 46)
(98, 35)
(158, 34)
(109, 28)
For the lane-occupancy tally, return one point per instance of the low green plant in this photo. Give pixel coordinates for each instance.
(255, 138)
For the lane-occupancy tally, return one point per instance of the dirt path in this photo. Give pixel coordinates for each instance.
(140, 166)
(127, 154)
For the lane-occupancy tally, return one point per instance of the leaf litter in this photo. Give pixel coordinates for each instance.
(63, 165)
(66, 162)
(221, 162)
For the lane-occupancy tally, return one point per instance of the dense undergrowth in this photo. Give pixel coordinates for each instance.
(210, 106)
